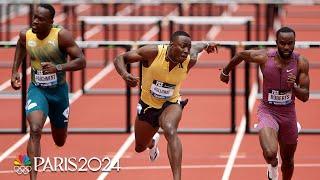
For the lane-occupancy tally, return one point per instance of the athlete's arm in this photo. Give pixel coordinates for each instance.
(301, 90)
(19, 56)
(251, 56)
(145, 54)
(199, 47)
(77, 59)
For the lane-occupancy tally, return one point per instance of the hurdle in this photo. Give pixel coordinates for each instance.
(127, 45)
(8, 44)
(115, 20)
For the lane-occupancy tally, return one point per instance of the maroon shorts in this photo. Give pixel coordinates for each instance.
(280, 118)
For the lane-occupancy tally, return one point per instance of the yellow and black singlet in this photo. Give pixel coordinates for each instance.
(158, 83)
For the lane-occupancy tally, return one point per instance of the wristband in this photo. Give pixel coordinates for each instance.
(59, 67)
(227, 75)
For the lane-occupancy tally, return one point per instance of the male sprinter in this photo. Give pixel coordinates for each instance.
(164, 69)
(48, 46)
(285, 76)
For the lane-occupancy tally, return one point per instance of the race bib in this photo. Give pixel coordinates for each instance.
(277, 97)
(161, 90)
(45, 80)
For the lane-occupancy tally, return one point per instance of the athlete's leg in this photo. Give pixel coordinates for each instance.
(169, 121)
(59, 113)
(36, 121)
(288, 144)
(287, 152)
(268, 138)
(59, 125)
(36, 110)
(143, 134)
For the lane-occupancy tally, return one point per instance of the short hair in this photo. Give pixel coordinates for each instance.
(179, 33)
(50, 9)
(285, 30)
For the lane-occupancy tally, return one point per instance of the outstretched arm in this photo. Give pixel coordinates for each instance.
(77, 59)
(197, 48)
(254, 56)
(145, 54)
(301, 89)
(20, 55)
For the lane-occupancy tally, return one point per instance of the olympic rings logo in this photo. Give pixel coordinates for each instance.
(22, 169)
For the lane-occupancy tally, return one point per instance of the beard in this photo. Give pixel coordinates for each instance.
(285, 55)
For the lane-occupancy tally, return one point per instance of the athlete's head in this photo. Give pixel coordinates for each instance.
(285, 42)
(43, 19)
(179, 47)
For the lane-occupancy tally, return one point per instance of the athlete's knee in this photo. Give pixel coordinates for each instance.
(270, 154)
(35, 131)
(287, 164)
(169, 131)
(140, 148)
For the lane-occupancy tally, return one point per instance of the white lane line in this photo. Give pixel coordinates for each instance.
(7, 83)
(72, 99)
(99, 76)
(152, 32)
(155, 29)
(239, 136)
(215, 30)
(127, 10)
(118, 155)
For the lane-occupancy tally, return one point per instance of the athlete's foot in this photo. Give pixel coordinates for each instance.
(154, 151)
(272, 172)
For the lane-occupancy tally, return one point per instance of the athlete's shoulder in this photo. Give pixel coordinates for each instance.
(303, 61)
(149, 51)
(23, 34)
(64, 33)
(65, 38)
(149, 48)
(24, 31)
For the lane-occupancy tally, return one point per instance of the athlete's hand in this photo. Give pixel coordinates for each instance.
(48, 68)
(224, 77)
(16, 81)
(291, 80)
(212, 48)
(131, 80)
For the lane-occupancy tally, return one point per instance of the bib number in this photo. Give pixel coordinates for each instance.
(277, 97)
(45, 80)
(161, 90)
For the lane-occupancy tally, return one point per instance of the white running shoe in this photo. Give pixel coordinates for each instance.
(154, 151)
(272, 172)
(299, 127)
